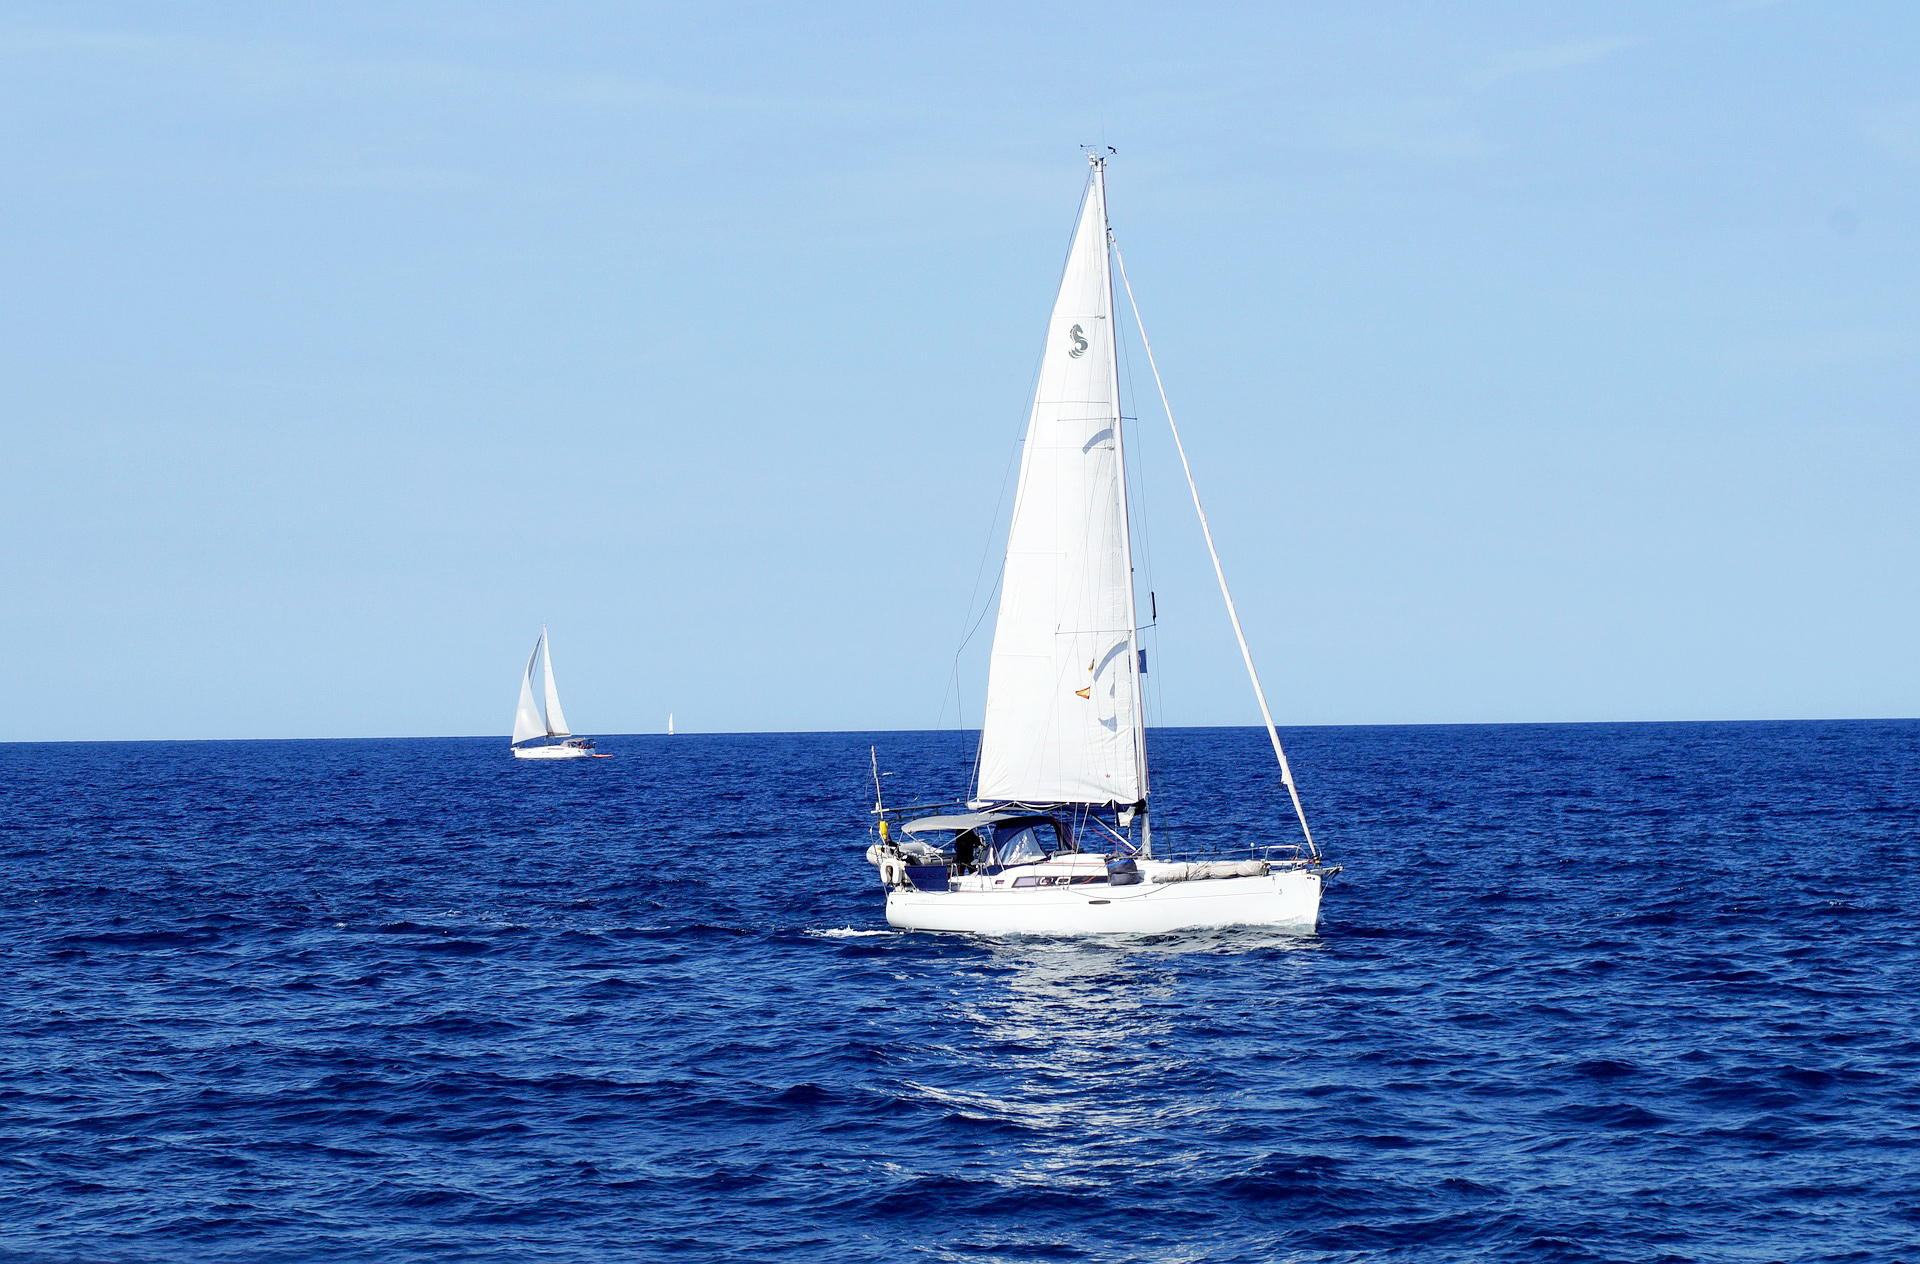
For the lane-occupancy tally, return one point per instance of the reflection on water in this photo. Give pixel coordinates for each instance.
(1077, 1047)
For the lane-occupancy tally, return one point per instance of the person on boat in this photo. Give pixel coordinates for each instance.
(963, 848)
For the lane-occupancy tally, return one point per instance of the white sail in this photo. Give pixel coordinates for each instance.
(556, 718)
(1063, 720)
(527, 721)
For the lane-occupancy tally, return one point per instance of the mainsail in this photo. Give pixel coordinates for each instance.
(527, 721)
(1064, 721)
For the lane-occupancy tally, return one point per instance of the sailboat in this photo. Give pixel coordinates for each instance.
(1057, 836)
(539, 725)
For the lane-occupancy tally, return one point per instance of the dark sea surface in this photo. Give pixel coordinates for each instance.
(1583, 993)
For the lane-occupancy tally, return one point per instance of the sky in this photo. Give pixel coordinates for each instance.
(1537, 362)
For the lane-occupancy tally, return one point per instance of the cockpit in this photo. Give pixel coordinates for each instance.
(986, 841)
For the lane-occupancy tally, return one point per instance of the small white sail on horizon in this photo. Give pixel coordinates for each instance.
(535, 718)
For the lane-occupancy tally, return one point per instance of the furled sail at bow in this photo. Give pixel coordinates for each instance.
(1064, 721)
(556, 719)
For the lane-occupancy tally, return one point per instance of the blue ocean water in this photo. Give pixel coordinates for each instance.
(1583, 993)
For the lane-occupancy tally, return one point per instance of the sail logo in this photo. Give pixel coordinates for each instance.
(1079, 347)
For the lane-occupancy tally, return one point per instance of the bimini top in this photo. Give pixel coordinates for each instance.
(963, 821)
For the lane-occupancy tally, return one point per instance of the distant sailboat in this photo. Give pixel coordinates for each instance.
(540, 731)
(669, 724)
(1055, 839)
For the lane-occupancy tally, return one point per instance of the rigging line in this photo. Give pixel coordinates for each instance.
(970, 631)
(1246, 655)
(959, 702)
(1153, 696)
(1137, 690)
(986, 551)
(993, 526)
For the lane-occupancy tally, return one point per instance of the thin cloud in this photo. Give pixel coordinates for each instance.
(1824, 348)
(1432, 128)
(1424, 128)
(212, 64)
(1895, 128)
(1540, 61)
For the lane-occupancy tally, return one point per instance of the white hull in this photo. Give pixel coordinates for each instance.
(554, 752)
(1285, 899)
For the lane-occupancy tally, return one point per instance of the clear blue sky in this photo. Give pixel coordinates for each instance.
(1538, 362)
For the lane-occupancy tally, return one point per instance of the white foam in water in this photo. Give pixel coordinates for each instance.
(848, 932)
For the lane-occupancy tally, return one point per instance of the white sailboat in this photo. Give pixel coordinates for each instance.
(1056, 838)
(539, 725)
(669, 724)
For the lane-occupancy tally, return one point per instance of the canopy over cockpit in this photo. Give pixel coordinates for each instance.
(959, 821)
(994, 838)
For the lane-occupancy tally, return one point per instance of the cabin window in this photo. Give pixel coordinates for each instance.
(1022, 847)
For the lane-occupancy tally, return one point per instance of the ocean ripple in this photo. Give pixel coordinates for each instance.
(1584, 993)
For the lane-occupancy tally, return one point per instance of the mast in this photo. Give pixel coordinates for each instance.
(1099, 164)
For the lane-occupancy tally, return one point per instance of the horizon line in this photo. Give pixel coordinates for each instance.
(1256, 728)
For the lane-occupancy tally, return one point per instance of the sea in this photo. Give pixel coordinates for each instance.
(1613, 992)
